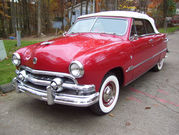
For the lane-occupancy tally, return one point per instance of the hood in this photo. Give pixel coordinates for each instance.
(57, 54)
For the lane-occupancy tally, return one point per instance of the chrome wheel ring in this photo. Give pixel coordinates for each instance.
(160, 64)
(109, 94)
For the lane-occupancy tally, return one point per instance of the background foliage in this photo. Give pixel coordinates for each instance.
(34, 17)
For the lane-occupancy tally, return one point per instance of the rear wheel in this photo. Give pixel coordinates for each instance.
(109, 93)
(159, 65)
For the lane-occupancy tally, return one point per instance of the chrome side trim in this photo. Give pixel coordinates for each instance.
(133, 67)
(58, 74)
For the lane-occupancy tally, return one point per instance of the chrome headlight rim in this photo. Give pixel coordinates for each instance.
(17, 57)
(80, 68)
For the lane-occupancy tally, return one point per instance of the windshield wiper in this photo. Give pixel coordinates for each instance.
(74, 33)
(106, 33)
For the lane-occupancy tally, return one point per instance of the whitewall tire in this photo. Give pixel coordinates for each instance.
(159, 65)
(109, 93)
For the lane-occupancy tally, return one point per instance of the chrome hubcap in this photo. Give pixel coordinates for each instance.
(109, 94)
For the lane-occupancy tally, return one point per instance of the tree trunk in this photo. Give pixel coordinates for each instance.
(71, 13)
(62, 13)
(107, 5)
(116, 5)
(165, 8)
(81, 8)
(39, 18)
(48, 15)
(87, 6)
(13, 16)
(4, 20)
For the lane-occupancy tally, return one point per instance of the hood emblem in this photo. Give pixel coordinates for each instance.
(47, 43)
(35, 60)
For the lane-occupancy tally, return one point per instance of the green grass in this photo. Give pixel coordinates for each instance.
(169, 29)
(6, 67)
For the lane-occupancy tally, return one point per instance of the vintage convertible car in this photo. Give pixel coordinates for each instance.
(88, 65)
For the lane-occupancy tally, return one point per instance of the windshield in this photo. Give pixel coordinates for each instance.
(100, 25)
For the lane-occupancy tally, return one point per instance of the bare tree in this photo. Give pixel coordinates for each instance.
(13, 17)
(143, 5)
(39, 17)
(4, 20)
(81, 8)
(87, 6)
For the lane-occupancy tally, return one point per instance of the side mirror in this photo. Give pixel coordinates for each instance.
(134, 37)
(65, 33)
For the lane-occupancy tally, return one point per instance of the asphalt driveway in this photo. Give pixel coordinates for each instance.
(148, 106)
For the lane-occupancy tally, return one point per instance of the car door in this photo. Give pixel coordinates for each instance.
(154, 42)
(141, 48)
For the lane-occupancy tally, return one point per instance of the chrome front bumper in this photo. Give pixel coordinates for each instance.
(53, 97)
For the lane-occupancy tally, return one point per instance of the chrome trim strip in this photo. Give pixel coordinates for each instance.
(47, 43)
(133, 67)
(58, 74)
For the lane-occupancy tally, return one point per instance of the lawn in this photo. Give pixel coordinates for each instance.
(6, 67)
(169, 29)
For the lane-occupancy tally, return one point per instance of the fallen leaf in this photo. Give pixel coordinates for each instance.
(3, 94)
(147, 107)
(111, 115)
(128, 124)
(155, 105)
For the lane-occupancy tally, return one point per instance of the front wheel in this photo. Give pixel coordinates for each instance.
(159, 65)
(109, 93)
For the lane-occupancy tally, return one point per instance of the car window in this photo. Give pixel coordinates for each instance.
(83, 25)
(149, 27)
(140, 27)
(110, 25)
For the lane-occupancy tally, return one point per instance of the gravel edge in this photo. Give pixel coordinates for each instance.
(5, 88)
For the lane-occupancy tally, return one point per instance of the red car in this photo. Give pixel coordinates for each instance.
(175, 20)
(87, 67)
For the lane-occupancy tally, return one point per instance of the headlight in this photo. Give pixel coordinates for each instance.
(76, 69)
(16, 59)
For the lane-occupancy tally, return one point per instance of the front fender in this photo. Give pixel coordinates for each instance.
(98, 62)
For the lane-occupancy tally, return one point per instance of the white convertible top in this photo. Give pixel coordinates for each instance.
(129, 14)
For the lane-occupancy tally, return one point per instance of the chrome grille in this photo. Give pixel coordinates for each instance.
(36, 78)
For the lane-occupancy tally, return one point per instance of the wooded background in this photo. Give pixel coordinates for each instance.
(35, 17)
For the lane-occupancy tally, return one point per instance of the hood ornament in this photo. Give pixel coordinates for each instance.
(35, 60)
(47, 43)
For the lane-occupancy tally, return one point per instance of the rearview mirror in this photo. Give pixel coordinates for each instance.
(134, 37)
(65, 33)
